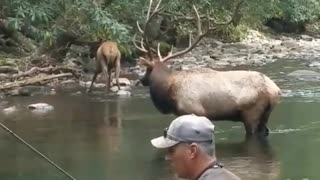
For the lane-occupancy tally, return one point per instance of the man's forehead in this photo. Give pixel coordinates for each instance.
(178, 146)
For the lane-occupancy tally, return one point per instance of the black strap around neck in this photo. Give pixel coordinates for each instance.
(214, 165)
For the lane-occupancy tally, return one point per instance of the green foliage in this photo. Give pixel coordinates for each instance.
(300, 11)
(7, 62)
(291, 10)
(81, 17)
(116, 19)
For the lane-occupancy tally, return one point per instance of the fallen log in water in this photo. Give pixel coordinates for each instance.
(40, 79)
(47, 70)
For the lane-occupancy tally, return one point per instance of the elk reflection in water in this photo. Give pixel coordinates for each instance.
(112, 129)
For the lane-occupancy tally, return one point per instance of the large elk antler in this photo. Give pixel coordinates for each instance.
(150, 15)
(192, 45)
(200, 34)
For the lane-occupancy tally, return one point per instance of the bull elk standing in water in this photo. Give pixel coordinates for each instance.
(107, 59)
(245, 96)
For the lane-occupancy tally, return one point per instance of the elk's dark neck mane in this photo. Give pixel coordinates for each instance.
(159, 84)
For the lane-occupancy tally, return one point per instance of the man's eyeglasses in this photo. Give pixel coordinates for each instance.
(169, 136)
(165, 132)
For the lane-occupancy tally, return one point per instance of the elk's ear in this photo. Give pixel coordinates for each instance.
(145, 62)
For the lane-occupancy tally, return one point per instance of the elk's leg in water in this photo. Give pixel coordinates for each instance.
(256, 118)
(262, 126)
(106, 74)
(117, 73)
(109, 77)
(96, 72)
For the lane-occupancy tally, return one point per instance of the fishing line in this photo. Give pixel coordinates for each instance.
(35, 150)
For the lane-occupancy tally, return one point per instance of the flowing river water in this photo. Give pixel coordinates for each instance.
(101, 137)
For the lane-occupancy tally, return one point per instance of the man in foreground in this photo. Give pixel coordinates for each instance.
(189, 142)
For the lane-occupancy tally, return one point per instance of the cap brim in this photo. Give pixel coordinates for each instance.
(162, 142)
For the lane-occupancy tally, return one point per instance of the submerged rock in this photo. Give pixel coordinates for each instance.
(314, 64)
(122, 82)
(76, 93)
(40, 107)
(115, 88)
(95, 85)
(304, 73)
(31, 91)
(85, 84)
(10, 110)
(99, 85)
(123, 93)
(52, 92)
(3, 103)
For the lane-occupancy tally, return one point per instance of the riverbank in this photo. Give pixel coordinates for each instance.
(256, 49)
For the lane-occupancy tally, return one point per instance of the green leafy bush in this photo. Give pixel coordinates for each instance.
(116, 19)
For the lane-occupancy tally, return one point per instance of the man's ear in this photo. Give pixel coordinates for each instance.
(194, 150)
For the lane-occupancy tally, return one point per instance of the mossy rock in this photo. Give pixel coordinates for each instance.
(230, 34)
(7, 62)
(313, 27)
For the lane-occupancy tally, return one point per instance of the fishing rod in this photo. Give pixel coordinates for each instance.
(35, 150)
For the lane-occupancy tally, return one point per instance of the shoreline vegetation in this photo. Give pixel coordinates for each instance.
(50, 46)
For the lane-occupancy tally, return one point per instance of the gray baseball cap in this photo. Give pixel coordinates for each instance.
(186, 128)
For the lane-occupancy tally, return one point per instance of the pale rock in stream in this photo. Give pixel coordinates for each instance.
(301, 73)
(314, 64)
(99, 85)
(305, 75)
(40, 107)
(306, 37)
(95, 85)
(123, 93)
(10, 110)
(122, 82)
(85, 84)
(115, 88)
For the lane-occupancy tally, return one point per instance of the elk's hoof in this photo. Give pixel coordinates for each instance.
(264, 132)
(261, 132)
(267, 131)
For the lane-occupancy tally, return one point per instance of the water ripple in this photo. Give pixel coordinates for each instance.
(306, 127)
(284, 131)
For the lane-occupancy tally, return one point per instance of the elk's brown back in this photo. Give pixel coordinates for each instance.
(109, 52)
